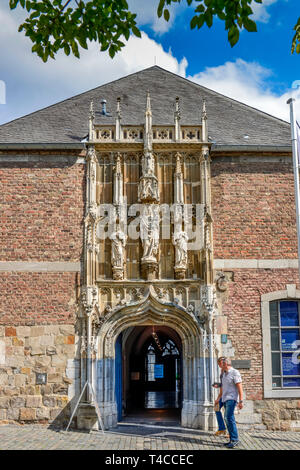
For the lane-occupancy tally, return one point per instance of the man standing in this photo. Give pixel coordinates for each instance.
(231, 393)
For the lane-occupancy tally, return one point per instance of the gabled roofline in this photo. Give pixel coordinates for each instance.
(197, 85)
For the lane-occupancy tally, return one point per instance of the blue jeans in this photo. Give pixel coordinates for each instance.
(219, 416)
(230, 419)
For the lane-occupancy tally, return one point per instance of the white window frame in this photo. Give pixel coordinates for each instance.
(291, 293)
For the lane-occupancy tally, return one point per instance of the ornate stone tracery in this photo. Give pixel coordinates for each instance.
(150, 278)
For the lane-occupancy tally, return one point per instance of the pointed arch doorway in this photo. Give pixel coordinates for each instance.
(149, 374)
(197, 409)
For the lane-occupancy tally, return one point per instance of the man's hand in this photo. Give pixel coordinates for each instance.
(240, 405)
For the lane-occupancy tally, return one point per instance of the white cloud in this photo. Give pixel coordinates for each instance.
(31, 84)
(147, 14)
(247, 82)
(260, 12)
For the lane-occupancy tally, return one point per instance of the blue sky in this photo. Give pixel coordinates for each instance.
(259, 70)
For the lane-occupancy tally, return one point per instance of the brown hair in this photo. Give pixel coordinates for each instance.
(224, 359)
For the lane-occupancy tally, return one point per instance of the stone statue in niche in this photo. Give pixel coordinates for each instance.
(148, 164)
(149, 229)
(148, 189)
(118, 242)
(180, 241)
(148, 185)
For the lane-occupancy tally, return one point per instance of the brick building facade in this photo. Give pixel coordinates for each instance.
(123, 313)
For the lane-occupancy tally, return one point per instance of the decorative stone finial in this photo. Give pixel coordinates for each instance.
(148, 105)
(118, 119)
(119, 106)
(148, 126)
(204, 122)
(204, 115)
(178, 163)
(91, 121)
(177, 119)
(118, 164)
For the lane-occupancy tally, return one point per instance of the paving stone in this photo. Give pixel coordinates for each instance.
(133, 437)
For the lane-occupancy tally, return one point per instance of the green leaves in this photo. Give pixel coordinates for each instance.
(67, 25)
(234, 13)
(296, 38)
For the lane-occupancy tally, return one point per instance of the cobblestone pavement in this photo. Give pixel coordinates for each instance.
(138, 437)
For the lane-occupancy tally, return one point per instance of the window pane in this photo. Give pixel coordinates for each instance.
(289, 313)
(289, 338)
(159, 371)
(290, 364)
(276, 364)
(276, 382)
(273, 314)
(292, 382)
(275, 339)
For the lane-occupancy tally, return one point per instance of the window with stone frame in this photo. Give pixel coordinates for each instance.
(285, 344)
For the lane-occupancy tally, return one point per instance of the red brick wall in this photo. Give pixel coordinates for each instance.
(253, 210)
(41, 219)
(41, 211)
(243, 309)
(37, 298)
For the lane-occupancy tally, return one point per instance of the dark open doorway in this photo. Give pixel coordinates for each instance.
(151, 373)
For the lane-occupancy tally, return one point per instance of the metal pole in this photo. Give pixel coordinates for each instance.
(296, 172)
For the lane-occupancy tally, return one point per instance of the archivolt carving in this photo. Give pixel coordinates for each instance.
(151, 311)
(184, 295)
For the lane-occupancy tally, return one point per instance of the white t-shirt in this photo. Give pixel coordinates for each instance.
(229, 381)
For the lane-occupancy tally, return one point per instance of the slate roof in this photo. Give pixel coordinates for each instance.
(228, 120)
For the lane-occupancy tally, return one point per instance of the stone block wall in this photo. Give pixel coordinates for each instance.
(279, 414)
(41, 349)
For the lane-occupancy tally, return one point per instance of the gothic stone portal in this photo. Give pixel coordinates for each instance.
(196, 410)
(161, 274)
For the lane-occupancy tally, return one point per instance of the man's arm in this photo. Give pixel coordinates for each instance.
(219, 396)
(240, 391)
